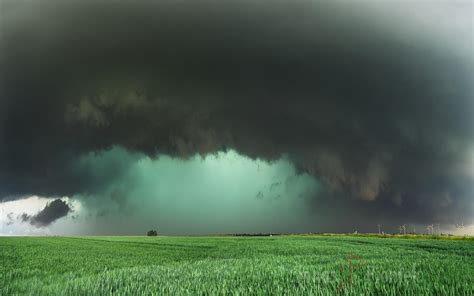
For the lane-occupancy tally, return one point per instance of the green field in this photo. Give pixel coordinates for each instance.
(309, 265)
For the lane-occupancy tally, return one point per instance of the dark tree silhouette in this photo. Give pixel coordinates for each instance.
(152, 233)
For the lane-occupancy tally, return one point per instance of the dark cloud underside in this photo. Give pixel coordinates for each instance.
(52, 211)
(378, 108)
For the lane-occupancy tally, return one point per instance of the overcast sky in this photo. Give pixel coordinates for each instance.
(199, 117)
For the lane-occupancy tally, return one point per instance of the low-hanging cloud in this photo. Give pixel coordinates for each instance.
(379, 111)
(52, 211)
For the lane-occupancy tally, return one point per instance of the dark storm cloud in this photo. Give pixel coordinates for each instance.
(24, 217)
(379, 110)
(51, 212)
(10, 219)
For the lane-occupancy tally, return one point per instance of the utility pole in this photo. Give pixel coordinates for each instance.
(460, 226)
(430, 229)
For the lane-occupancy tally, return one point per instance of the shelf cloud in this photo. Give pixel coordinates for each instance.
(373, 100)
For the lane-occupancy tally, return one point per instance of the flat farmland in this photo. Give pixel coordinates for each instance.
(227, 265)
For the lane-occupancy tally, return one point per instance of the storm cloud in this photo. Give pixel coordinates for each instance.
(52, 211)
(374, 100)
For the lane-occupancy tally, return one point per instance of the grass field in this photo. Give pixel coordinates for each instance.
(309, 265)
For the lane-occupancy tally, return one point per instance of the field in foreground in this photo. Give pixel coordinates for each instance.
(306, 265)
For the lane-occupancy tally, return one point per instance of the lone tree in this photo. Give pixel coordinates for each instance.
(152, 233)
